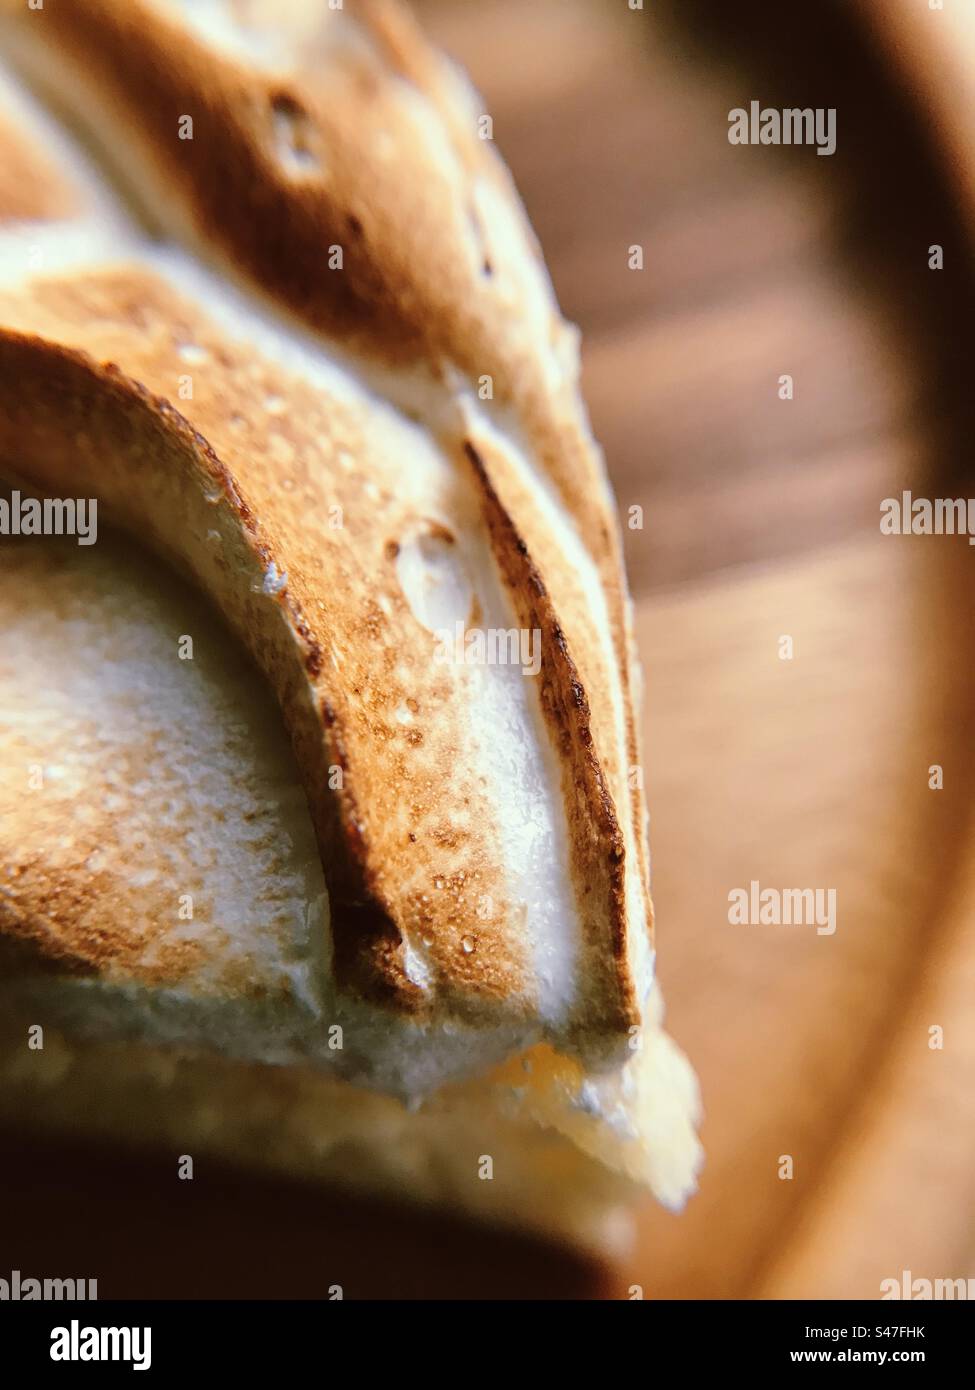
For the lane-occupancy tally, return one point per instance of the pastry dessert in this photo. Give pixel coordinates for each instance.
(322, 831)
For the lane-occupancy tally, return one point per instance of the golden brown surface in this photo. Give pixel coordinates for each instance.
(30, 189)
(404, 822)
(384, 160)
(74, 428)
(132, 783)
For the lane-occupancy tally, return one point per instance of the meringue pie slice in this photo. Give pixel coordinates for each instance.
(322, 842)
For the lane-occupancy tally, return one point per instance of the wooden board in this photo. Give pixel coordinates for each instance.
(814, 773)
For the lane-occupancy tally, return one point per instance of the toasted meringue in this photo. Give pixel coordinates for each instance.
(303, 347)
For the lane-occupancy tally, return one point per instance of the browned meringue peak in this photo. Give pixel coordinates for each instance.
(523, 819)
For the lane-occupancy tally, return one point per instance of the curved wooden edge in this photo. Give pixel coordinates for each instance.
(905, 1177)
(934, 52)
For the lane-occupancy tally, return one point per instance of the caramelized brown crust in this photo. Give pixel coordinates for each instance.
(599, 851)
(360, 138)
(338, 641)
(367, 144)
(30, 188)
